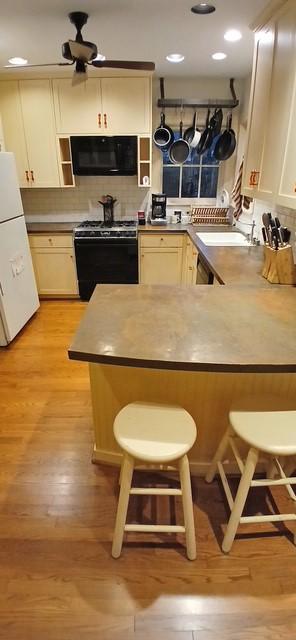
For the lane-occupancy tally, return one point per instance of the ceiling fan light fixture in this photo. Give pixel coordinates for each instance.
(100, 57)
(18, 61)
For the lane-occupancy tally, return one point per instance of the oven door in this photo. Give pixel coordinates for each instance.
(102, 261)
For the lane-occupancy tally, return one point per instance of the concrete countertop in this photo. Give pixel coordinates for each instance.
(202, 328)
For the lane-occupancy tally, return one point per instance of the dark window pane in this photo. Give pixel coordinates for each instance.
(170, 181)
(194, 158)
(209, 182)
(208, 156)
(190, 178)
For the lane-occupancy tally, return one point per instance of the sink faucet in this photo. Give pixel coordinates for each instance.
(250, 235)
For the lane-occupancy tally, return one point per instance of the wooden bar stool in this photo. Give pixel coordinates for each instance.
(154, 434)
(266, 424)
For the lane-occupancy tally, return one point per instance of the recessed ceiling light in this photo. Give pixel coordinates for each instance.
(219, 56)
(175, 57)
(232, 35)
(100, 57)
(203, 8)
(17, 61)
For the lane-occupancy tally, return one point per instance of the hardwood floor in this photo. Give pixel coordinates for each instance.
(57, 578)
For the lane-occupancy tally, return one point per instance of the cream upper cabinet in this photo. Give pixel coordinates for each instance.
(13, 128)
(78, 108)
(39, 125)
(269, 158)
(258, 109)
(278, 111)
(126, 105)
(106, 105)
(29, 131)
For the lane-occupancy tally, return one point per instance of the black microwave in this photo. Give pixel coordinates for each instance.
(104, 155)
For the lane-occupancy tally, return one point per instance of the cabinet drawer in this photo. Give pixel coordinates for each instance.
(55, 241)
(162, 240)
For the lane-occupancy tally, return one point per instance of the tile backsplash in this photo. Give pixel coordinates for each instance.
(81, 202)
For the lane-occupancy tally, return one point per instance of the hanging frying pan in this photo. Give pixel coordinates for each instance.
(179, 151)
(192, 135)
(206, 137)
(163, 136)
(226, 143)
(218, 115)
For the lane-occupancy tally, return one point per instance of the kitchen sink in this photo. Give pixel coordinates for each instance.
(227, 239)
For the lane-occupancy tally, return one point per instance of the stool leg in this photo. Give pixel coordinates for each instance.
(240, 499)
(187, 507)
(126, 481)
(218, 455)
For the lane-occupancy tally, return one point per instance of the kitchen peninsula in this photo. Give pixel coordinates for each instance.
(199, 347)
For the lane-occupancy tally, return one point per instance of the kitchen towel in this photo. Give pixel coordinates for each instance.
(239, 200)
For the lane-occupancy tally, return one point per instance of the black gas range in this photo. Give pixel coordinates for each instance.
(105, 254)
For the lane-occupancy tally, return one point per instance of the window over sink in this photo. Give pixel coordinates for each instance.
(196, 178)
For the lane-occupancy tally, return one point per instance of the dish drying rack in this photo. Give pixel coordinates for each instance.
(209, 215)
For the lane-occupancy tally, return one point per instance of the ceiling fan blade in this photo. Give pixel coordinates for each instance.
(123, 64)
(46, 64)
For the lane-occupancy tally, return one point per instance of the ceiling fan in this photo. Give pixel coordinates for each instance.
(82, 54)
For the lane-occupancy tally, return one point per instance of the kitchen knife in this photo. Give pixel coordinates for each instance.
(264, 234)
(286, 233)
(279, 228)
(265, 220)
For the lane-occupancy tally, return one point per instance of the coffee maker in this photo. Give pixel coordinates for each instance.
(158, 210)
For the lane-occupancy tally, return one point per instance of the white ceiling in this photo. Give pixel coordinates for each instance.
(134, 30)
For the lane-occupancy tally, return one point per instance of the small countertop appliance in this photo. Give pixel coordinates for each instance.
(158, 210)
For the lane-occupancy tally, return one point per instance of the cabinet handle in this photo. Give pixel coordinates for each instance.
(99, 120)
(27, 176)
(1, 290)
(32, 176)
(50, 240)
(190, 268)
(251, 179)
(105, 120)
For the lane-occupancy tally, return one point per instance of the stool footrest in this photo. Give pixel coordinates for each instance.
(152, 528)
(155, 492)
(272, 518)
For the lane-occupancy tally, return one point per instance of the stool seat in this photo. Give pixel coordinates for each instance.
(267, 423)
(154, 432)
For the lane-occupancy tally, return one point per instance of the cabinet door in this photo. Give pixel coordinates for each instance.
(78, 108)
(280, 104)
(55, 271)
(126, 105)
(13, 128)
(38, 117)
(161, 266)
(190, 264)
(258, 109)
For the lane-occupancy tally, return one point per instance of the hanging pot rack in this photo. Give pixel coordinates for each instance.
(196, 103)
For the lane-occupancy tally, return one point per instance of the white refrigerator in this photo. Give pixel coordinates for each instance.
(18, 291)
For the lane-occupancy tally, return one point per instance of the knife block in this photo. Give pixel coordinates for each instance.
(279, 267)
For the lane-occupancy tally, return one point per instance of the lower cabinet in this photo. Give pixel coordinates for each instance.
(161, 258)
(54, 265)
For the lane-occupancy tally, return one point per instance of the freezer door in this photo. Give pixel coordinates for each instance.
(18, 291)
(10, 200)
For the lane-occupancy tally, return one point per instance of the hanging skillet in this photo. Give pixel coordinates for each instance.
(163, 136)
(206, 136)
(192, 135)
(179, 151)
(226, 143)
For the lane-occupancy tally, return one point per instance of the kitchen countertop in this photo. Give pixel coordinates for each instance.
(202, 328)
